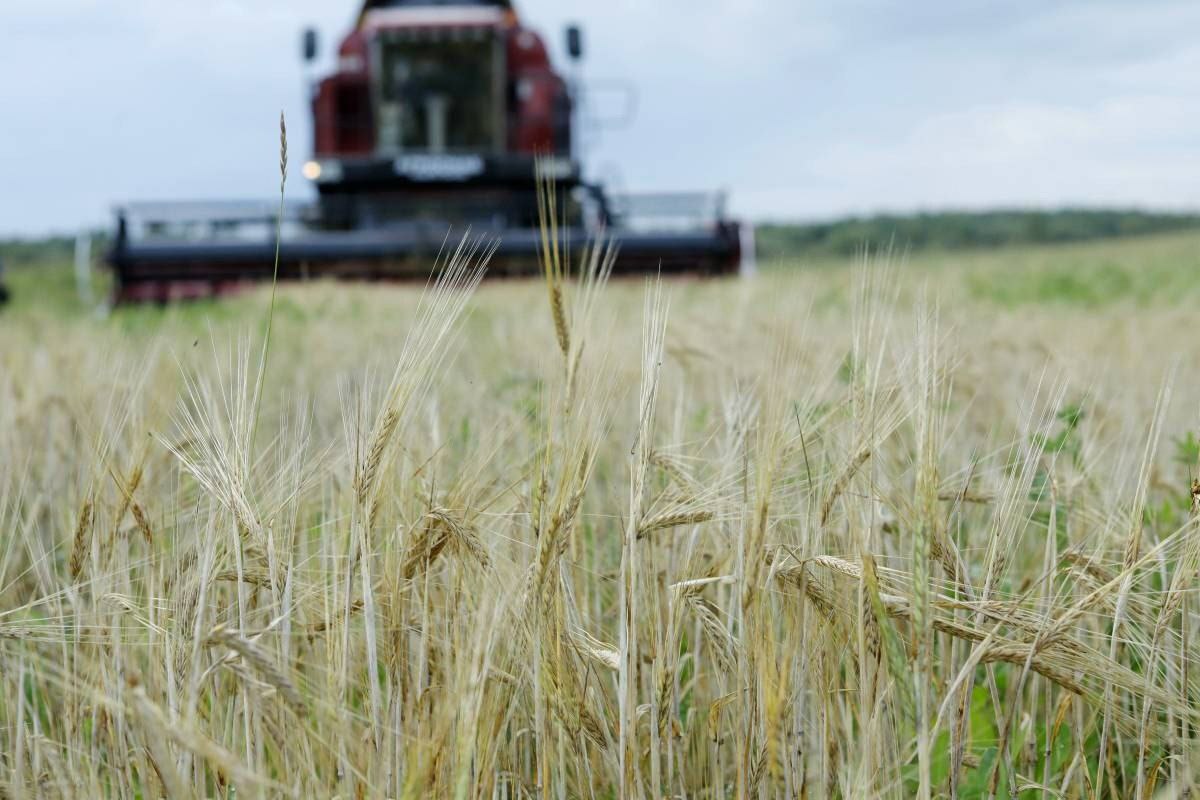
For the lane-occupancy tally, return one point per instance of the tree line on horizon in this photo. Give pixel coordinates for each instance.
(961, 230)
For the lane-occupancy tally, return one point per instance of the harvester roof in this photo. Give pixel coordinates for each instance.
(368, 5)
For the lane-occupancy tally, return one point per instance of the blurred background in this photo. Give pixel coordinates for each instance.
(826, 126)
(802, 110)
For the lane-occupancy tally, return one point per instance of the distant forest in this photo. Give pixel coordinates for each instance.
(960, 230)
(24, 252)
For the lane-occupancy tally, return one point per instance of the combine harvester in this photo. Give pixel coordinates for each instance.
(438, 120)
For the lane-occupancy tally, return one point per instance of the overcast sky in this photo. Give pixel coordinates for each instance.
(800, 109)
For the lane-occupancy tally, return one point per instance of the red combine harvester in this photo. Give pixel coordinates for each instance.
(437, 119)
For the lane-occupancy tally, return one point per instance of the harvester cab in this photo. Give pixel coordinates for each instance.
(436, 113)
(437, 116)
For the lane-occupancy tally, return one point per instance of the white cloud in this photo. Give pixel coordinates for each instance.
(1122, 150)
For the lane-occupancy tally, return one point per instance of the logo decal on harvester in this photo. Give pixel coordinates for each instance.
(425, 167)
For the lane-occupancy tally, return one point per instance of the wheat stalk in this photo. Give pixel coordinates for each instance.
(81, 541)
(262, 663)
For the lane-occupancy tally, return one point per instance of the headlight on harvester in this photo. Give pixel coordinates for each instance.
(322, 171)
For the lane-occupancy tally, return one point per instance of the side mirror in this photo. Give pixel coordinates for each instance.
(574, 42)
(309, 44)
